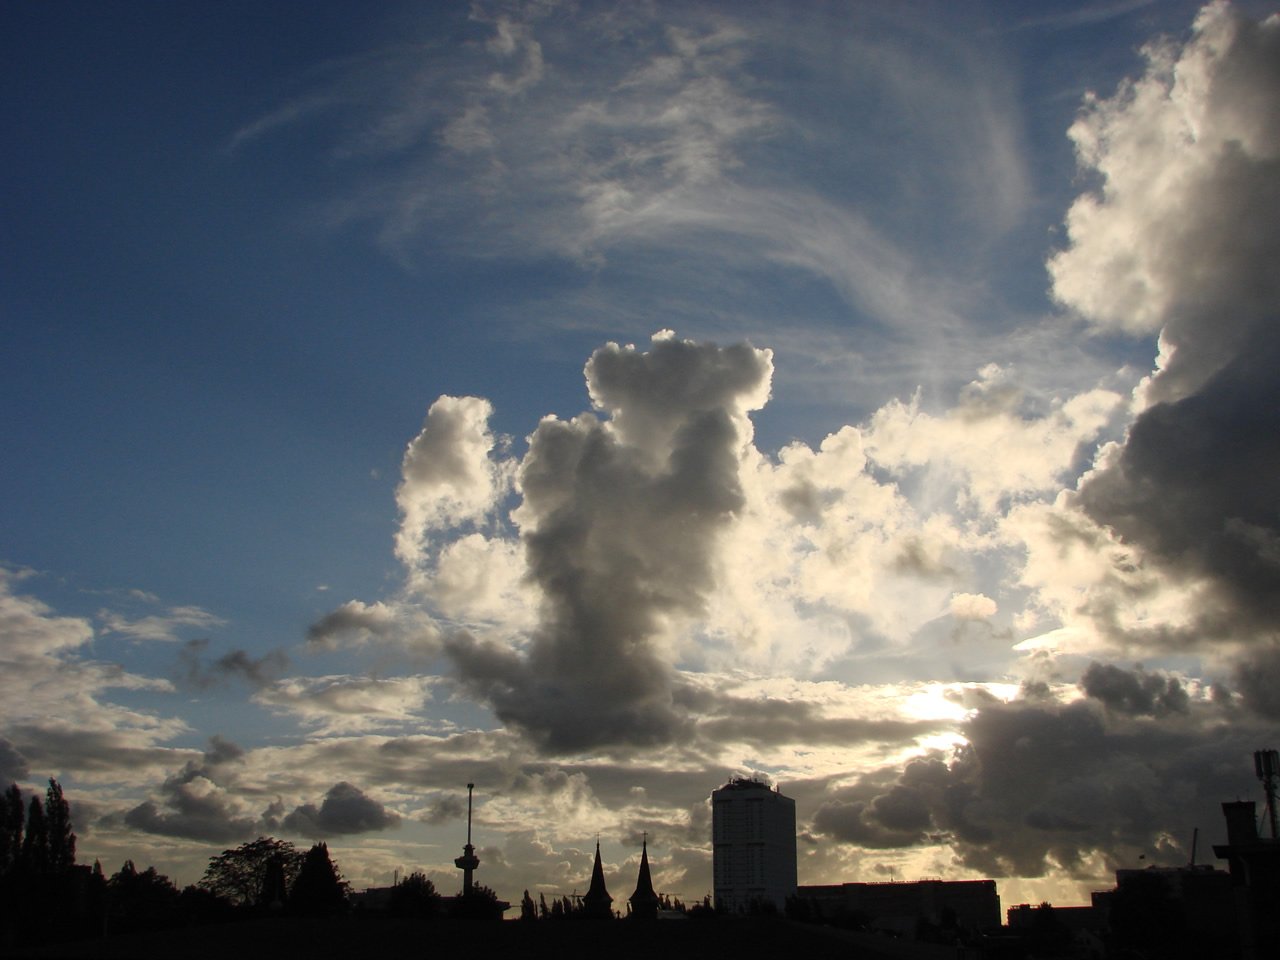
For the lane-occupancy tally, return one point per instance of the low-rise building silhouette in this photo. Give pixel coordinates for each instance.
(973, 905)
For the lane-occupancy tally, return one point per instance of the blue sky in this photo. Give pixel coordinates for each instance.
(954, 489)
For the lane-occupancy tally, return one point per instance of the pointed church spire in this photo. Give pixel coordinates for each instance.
(597, 902)
(644, 902)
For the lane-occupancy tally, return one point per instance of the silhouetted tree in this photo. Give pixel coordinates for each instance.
(35, 843)
(140, 901)
(528, 911)
(543, 910)
(239, 875)
(198, 905)
(319, 889)
(12, 819)
(414, 896)
(703, 910)
(60, 840)
(480, 904)
(275, 888)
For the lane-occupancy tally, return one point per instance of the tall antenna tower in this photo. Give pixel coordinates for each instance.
(1266, 763)
(468, 863)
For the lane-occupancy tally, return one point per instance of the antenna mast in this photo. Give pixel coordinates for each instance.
(468, 863)
(1266, 763)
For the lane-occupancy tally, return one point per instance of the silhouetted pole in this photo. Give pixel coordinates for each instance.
(1266, 763)
(468, 862)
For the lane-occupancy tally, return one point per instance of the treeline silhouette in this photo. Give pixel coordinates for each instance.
(46, 897)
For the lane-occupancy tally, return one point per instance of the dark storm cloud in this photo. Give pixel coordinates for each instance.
(1257, 677)
(1183, 238)
(619, 523)
(1196, 486)
(925, 802)
(344, 810)
(1134, 692)
(1044, 785)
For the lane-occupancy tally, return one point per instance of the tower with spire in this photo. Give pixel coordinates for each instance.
(644, 902)
(597, 903)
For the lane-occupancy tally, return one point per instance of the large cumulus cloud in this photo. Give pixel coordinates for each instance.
(620, 520)
(1181, 238)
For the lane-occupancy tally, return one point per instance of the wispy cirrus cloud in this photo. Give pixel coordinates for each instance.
(159, 627)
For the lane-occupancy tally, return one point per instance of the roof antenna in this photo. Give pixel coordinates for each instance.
(1266, 763)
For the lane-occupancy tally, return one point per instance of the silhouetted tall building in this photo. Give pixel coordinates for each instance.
(597, 902)
(1255, 878)
(644, 902)
(753, 831)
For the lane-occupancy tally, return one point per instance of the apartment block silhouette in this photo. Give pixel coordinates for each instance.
(753, 829)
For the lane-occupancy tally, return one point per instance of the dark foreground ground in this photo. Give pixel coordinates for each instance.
(352, 938)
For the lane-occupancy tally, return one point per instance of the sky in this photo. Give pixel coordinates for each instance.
(596, 401)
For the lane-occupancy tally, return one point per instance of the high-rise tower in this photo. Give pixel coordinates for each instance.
(753, 830)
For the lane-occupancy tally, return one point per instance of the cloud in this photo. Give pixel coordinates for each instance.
(28, 626)
(446, 809)
(1135, 693)
(239, 664)
(1179, 237)
(333, 704)
(195, 803)
(161, 627)
(55, 711)
(971, 606)
(480, 580)
(666, 137)
(620, 520)
(344, 810)
(1048, 784)
(1182, 238)
(449, 477)
(357, 623)
(1257, 676)
(994, 442)
(13, 765)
